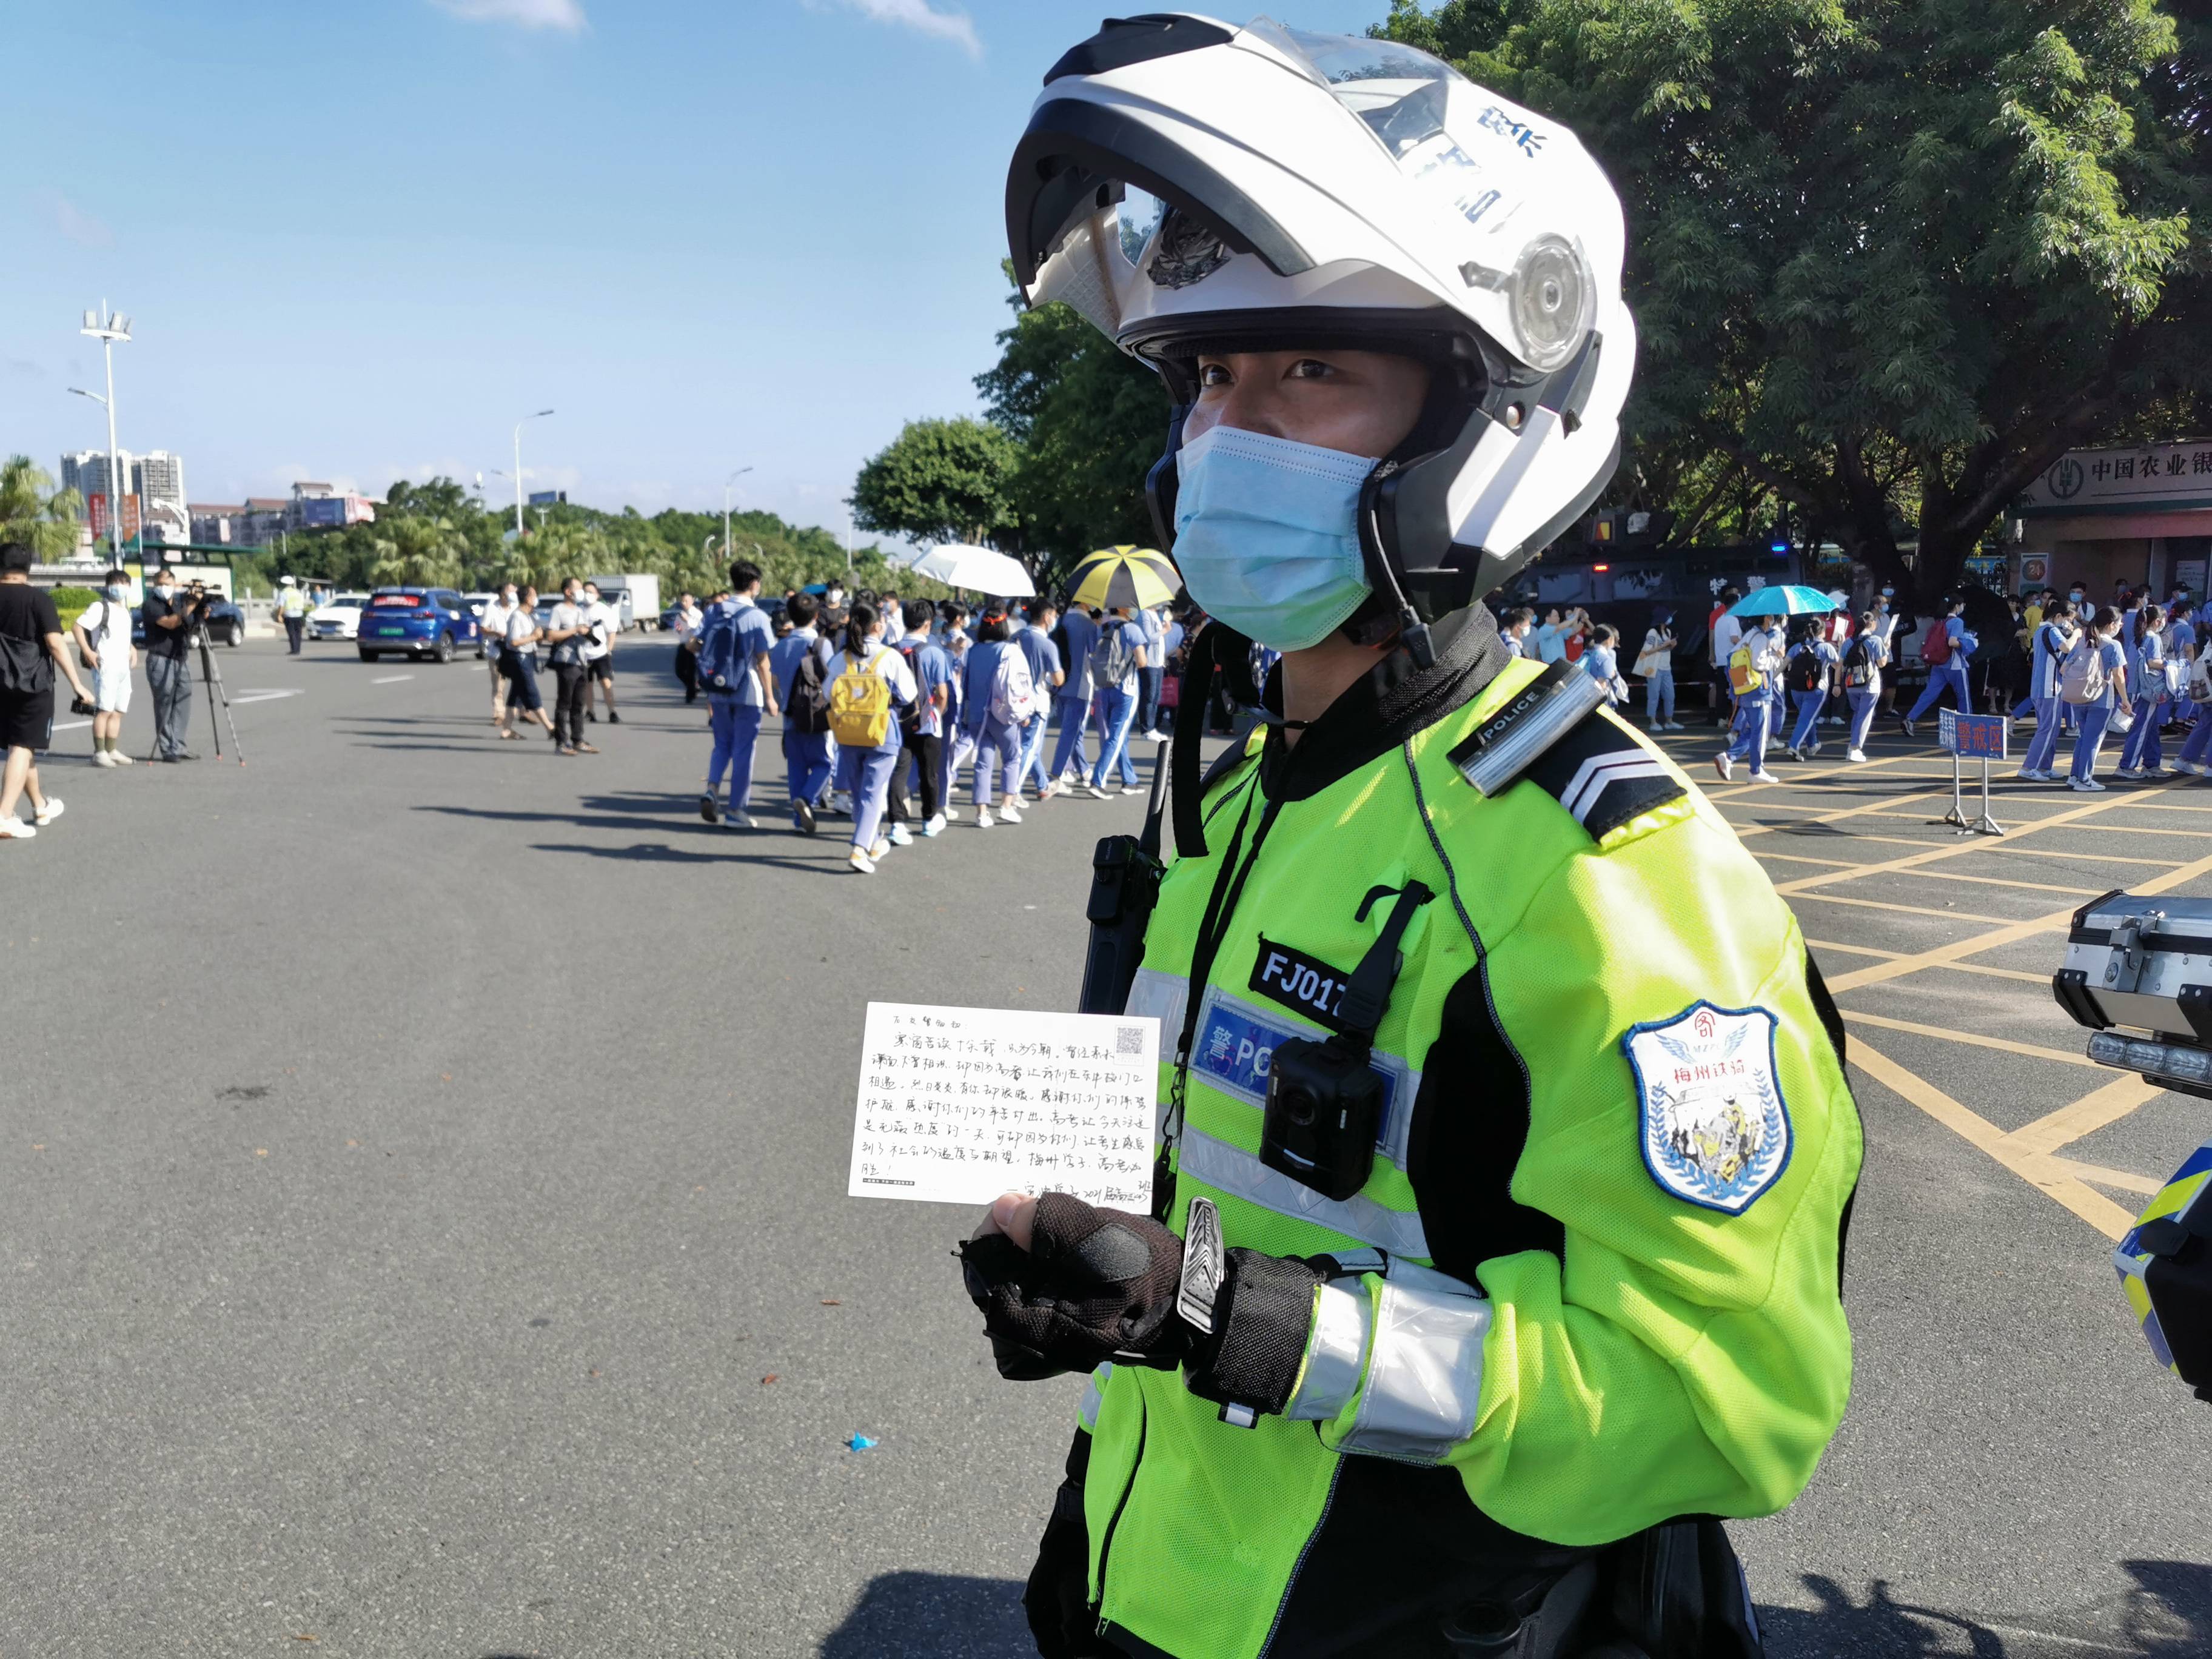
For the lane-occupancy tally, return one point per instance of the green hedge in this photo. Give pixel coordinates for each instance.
(72, 603)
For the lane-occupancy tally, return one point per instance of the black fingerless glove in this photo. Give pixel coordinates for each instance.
(1095, 1284)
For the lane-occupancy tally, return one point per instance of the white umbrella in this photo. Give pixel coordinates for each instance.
(979, 568)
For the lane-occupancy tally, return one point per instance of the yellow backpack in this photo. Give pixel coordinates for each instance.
(1743, 677)
(859, 706)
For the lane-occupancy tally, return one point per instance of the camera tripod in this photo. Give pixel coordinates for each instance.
(211, 678)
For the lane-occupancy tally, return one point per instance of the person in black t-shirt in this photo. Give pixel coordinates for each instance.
(31, 648)
(171, 619)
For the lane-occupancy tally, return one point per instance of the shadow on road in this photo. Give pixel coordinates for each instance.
(650, 852)
(2168, 1615)
(930, 1615)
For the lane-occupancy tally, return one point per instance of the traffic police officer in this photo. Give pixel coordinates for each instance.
(1505, 1151)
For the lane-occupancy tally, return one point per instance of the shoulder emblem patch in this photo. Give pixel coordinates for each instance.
(1603, 777)
(1715, 1129)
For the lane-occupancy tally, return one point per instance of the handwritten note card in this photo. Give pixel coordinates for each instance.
(960, 1104)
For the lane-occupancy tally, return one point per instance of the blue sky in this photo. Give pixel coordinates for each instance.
(359, 237)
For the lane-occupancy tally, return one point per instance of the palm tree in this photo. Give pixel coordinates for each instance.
(32, 510)
(418, 552)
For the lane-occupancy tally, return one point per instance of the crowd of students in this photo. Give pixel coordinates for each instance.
(885, 701)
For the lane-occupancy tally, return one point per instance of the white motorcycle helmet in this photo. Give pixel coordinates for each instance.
(1190, 186)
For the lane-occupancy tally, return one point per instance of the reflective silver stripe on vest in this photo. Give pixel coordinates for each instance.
(1243, 1037)
(1424, 1376)
(1163, 997)
(1094, 1395)
(1335, 1352)
(1230, 1170)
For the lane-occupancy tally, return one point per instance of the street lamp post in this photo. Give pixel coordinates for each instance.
(519, 425)
(108, 327)
(726, 483)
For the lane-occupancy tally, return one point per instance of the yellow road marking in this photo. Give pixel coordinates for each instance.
(1981, 967)
(2085, 1116)
(2100, 858)
(1976, 1040)
(2102, 1177)
(1875, 973)
(2042, 1171)
(1793, 858)
(1883, 904)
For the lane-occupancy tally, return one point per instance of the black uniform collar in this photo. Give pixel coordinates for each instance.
(1379, 712)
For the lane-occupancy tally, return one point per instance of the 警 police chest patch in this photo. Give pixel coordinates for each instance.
(1715, 1129)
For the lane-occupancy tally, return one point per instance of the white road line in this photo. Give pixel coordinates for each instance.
(264, 694)
(72, 726)
(392, 679)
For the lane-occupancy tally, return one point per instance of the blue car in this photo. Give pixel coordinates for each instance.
(417, 622)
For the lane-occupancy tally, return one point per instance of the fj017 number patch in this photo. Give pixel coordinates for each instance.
(1715, 1129)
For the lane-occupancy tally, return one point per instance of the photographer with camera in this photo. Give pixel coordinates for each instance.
(31, 648)
(172, 621)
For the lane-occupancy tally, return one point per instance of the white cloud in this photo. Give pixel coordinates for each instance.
(79, 225)
(565, 15)
(924, 19)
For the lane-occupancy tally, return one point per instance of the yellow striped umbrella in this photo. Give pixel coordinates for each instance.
(1125, 577)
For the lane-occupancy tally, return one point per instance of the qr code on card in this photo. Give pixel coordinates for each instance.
(1128, 1039)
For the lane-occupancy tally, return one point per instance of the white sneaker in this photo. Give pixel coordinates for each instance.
(2087, 786)
(1009, 814)
(2188, 767)
(739, 821)
(949, 815)
(15, 830)
(1725, 766)
(983, 818)
(861, 863)
(1855, 755)
(47, 814)
(1096, 793)
(119, 758)
(1763, 776)
(1814, 749)
(898, 836)
(881, 850)
(101, 757)
(2026, 776)
(2133, 775)
(935, 826)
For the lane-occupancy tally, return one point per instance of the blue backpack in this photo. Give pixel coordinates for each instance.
(719, 667)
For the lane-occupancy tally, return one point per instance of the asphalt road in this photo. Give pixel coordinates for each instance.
(422, 1151)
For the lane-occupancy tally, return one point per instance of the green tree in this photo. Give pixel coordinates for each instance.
(1889, 258)
(1090, 422)
(417, 552)
(940, 481)
(32, 510)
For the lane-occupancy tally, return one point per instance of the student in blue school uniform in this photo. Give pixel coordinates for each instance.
(1864, 659)
(2142, 757)
(2099, 642)
(1950, 672)
(2054, 637)
(1808, 672)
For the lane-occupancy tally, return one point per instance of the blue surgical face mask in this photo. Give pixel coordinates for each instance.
(1267, 534)
(116, 590)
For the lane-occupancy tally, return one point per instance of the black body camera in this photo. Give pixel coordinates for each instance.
(1324, 1101)
(1324, 1105)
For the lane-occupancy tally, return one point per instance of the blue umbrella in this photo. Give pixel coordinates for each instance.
(1783, 602)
